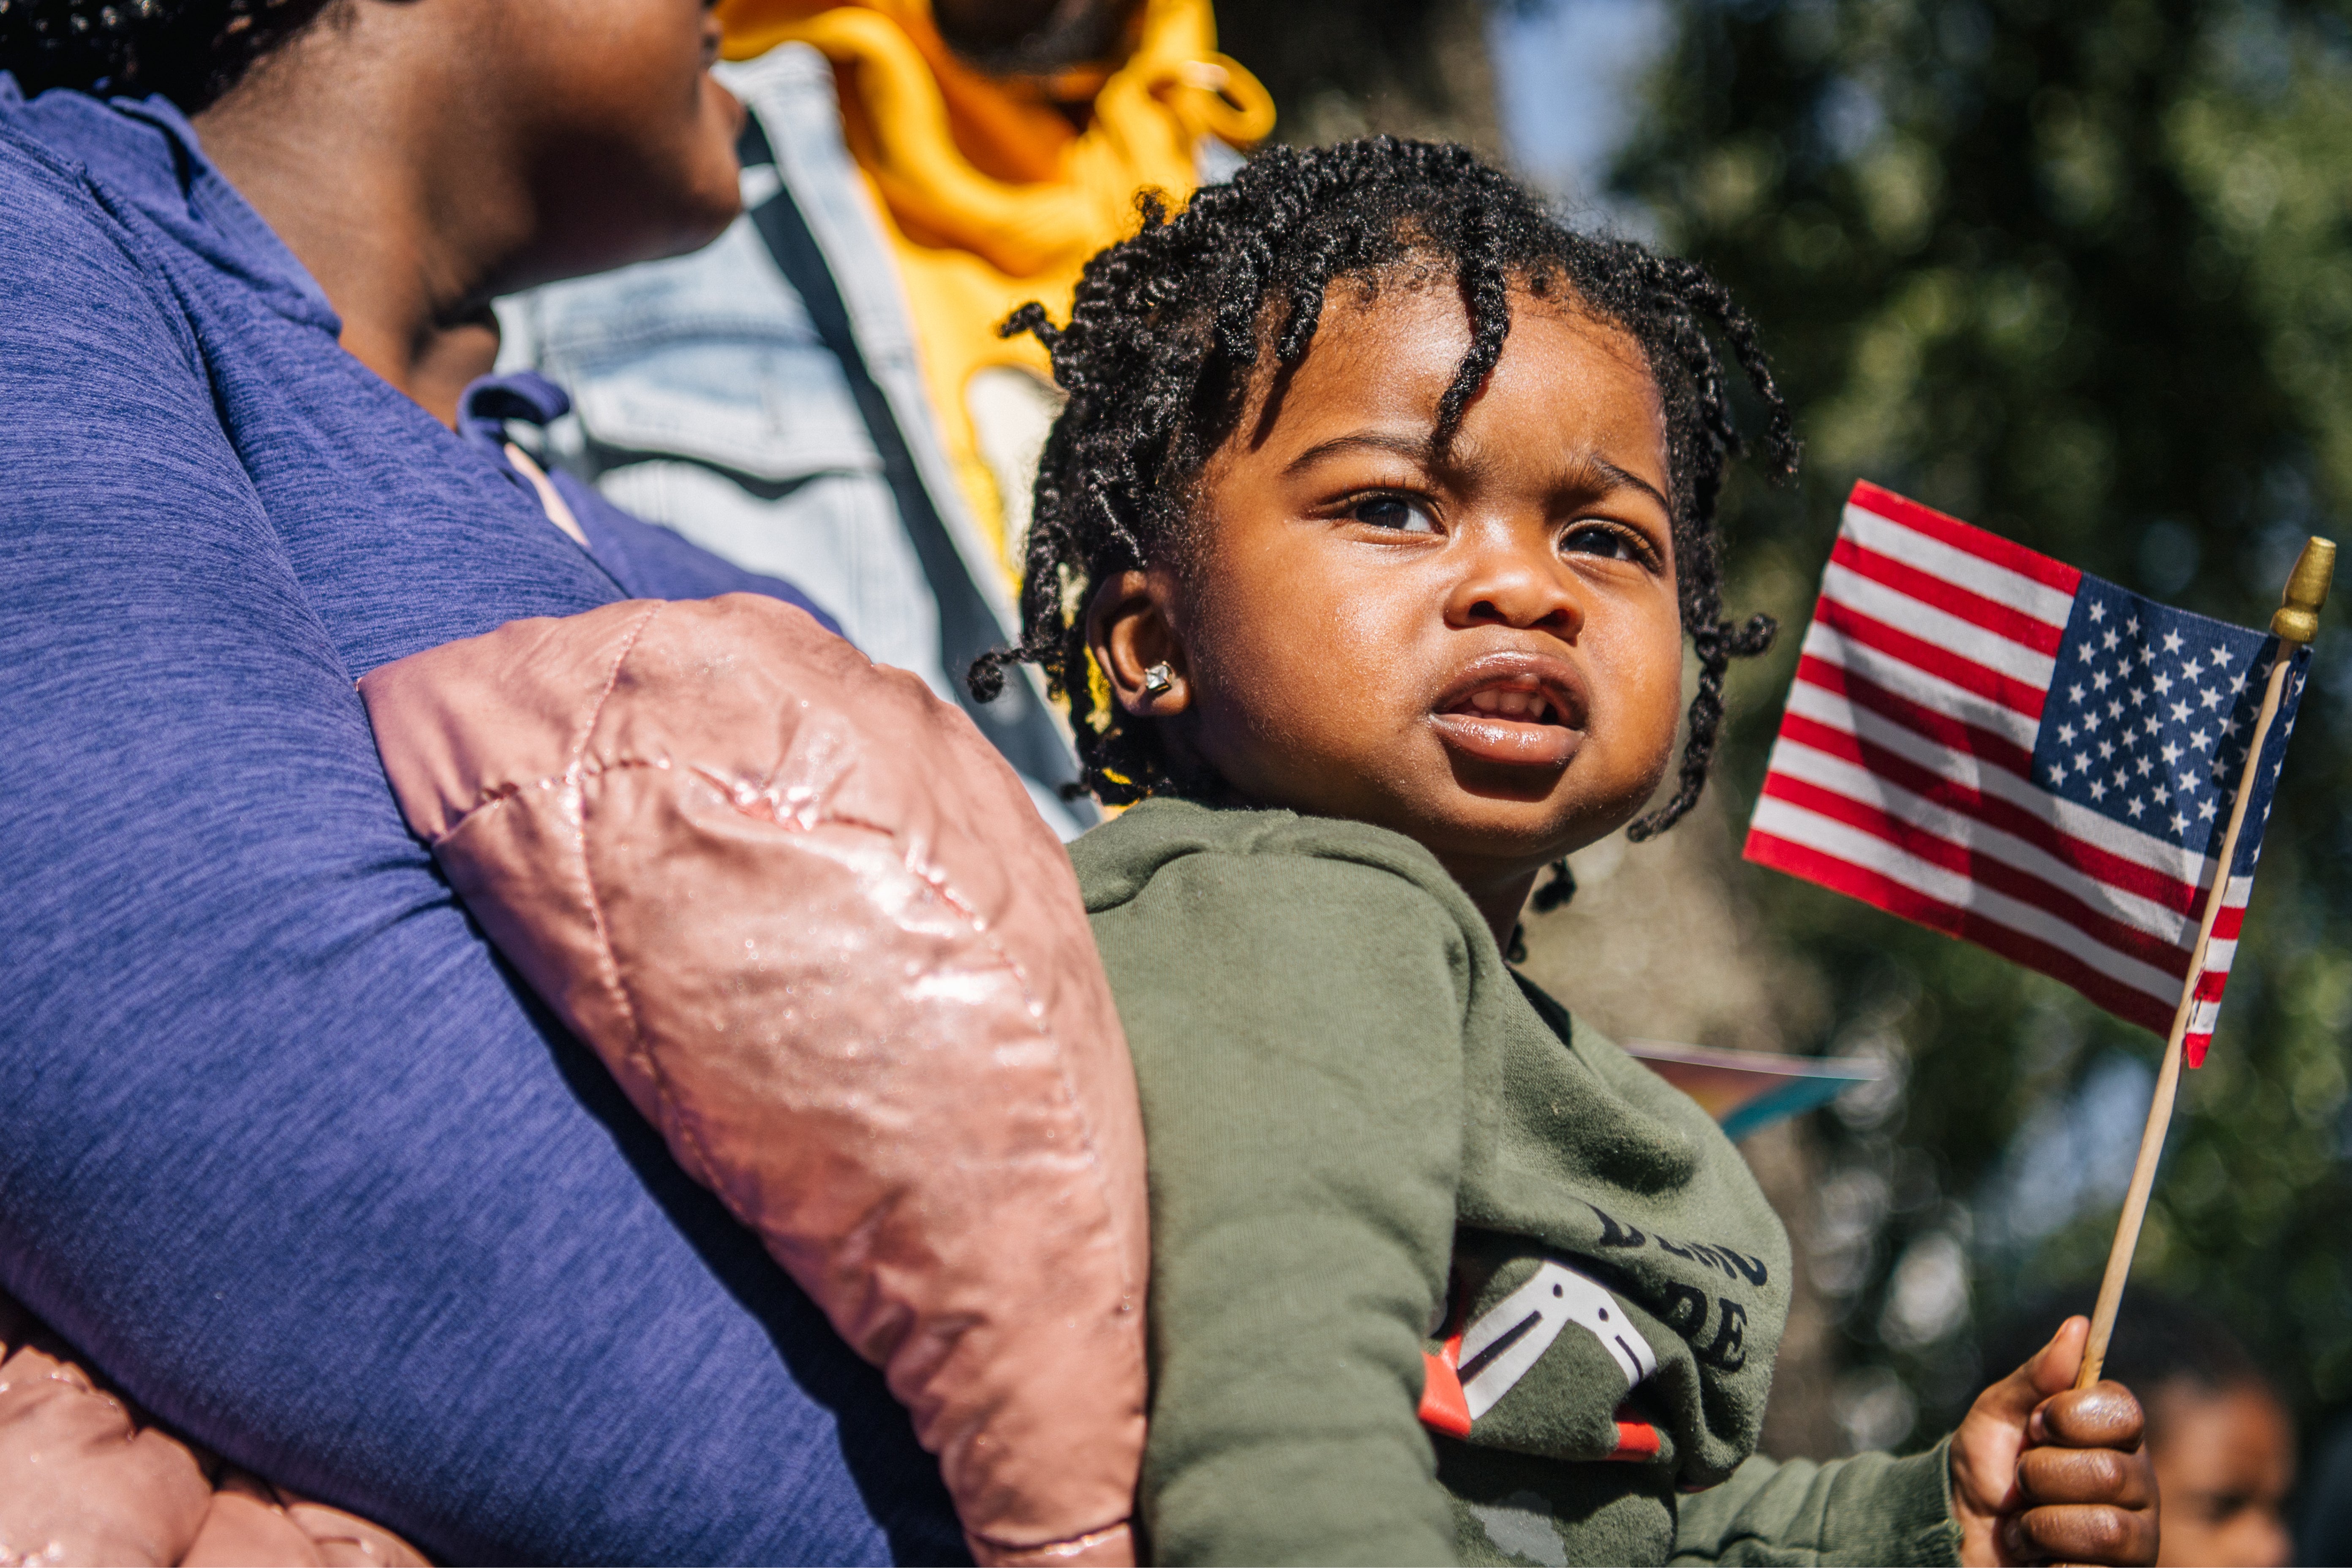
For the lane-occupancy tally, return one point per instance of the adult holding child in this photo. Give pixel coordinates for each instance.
(294, 1159)
(291, 1155)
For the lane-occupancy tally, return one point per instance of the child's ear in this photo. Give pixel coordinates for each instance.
(1136, 645)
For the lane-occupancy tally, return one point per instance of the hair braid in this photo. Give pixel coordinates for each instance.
(1167, 328)
(1482, 269)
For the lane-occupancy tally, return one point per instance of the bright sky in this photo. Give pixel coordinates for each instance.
(1569, 73)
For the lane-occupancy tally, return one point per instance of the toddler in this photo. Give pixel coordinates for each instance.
(1364, 553)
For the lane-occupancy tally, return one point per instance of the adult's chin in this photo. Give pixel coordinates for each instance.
(622, 203)
(705, 191)
(713, 192)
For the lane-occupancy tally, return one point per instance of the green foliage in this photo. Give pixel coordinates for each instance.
(2079, 271)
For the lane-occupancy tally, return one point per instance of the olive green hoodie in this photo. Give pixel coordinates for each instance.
(1396, 1192)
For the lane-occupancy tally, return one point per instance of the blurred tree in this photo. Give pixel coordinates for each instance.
(2080, 272)
(1345, 67)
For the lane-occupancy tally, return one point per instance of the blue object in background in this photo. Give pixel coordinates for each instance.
(1746, 1091)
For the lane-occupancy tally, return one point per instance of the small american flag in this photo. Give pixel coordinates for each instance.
(1990, 742)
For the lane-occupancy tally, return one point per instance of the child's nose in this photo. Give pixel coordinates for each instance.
(1520, 591)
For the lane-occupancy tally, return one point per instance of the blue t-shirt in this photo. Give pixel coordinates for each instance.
(286, 1151)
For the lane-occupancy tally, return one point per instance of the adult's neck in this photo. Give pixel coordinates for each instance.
(361, 145)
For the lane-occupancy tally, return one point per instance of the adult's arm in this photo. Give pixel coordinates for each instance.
(287, 1153)
(1297, 1036)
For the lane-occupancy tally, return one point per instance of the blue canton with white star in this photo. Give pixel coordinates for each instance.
(2149, 713)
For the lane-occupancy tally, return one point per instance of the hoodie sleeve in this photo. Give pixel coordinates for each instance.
(1872, 1507)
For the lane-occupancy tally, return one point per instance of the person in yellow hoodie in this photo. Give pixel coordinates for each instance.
(822, 394)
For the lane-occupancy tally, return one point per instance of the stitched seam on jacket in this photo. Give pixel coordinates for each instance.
(1067, 1545)
(508, 793)
(937, 881)
(639, 1053)
(1077, 1103)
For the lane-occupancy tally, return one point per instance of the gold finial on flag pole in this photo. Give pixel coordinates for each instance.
(2295, 623)
(2297, 619)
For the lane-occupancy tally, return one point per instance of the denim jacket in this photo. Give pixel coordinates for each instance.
(709, 396)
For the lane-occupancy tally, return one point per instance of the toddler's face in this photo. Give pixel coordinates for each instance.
(2225, 1464)
(1482, 650)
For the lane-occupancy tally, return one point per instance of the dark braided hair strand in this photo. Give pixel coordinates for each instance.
(191, 51)
(1167, 328)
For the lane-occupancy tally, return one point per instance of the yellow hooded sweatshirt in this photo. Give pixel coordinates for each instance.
(991, 197)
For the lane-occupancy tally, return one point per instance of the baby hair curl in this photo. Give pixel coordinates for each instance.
(1167, 328)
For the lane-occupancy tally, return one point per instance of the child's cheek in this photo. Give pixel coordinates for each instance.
(1645, 679)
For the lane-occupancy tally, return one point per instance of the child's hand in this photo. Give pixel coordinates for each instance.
(2042, 1474)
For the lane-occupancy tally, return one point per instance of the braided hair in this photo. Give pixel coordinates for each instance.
(1167, 328)
(191, 51)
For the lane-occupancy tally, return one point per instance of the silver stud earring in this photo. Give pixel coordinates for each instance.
(1158, 681)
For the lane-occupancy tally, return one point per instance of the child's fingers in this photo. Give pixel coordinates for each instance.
(2104, 1416)
(2089, 1489)
(2045, 1372)
(2082, 1533)
(2055, 1368)
(2095, 1476)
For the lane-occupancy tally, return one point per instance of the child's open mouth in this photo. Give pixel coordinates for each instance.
(1509, 702)
(1521, 710)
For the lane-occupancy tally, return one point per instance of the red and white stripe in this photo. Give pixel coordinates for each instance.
(2219, 953)
(1902, 773)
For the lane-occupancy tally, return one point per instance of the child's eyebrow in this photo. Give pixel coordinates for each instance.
(1598, 472)
(1621, 479)
(1419, 449)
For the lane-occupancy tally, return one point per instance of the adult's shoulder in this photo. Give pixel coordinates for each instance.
(50, 198)
(70, 262)
(26, 162)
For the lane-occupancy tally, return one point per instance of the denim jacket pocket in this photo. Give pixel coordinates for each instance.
(710, 357)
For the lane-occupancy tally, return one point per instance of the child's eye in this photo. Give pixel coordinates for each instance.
(1598, 539)
(1393, 512)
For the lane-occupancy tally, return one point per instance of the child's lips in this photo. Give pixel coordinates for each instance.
(1516, 742)
(1520, 711)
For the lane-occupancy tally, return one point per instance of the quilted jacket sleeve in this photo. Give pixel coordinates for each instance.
(83, 1478)
(809, 920)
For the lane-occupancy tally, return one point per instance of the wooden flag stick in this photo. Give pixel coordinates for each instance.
(2294, 625)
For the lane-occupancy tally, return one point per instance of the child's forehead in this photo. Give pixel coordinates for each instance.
(1380, 337)
(1416, 293)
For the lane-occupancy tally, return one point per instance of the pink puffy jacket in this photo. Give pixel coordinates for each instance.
(810, 922)
(84, 1480)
